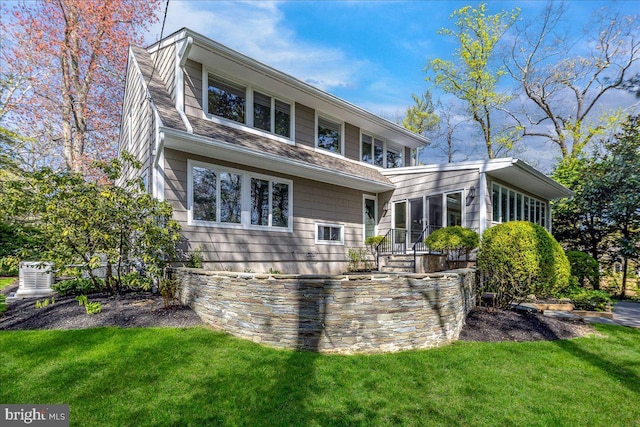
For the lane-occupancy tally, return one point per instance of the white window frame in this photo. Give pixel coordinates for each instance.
(329, 242)
(339, 122)
(366, 197)
(386, 145)
(543, 212)
(245, 199)
(248, 125)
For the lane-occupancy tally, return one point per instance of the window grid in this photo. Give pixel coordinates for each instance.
(510, 205)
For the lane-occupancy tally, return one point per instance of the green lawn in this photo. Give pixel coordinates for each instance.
(195, 376)
(6, 281)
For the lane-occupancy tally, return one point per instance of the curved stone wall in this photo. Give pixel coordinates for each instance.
(364, 313)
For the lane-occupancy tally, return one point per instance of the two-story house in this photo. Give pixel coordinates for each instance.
(265, 171)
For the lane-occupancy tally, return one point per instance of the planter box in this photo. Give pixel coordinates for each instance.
(36, 279)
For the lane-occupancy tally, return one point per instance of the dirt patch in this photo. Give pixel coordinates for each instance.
(503, 325)
(125, 311)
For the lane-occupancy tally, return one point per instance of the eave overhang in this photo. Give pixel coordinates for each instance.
(511, 171)
(218, 149)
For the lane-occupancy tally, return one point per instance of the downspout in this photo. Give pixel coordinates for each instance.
(181, 60)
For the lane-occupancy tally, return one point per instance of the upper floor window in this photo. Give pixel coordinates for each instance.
(226, 99)
(377, 152)
(329, 135)
(244, 105)
(272, 115)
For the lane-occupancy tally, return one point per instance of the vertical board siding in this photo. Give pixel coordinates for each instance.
(193, 88)
(260, 250)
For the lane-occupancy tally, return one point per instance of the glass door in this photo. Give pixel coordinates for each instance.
(416, 220)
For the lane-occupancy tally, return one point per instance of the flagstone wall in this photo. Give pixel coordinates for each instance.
(363, 313)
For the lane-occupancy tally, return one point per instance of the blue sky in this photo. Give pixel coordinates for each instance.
(371, 53)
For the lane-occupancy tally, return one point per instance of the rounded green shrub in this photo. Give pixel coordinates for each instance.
(453, 241)
(519, 258)
(584, 268)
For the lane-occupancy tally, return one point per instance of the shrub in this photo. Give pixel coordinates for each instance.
(591, 300)
(358, 259)
(584, 267)
(3, 304)
(195, 259)
(518, 258)
(453, 241)
(136, 282)
(170, 291)
(78, 286)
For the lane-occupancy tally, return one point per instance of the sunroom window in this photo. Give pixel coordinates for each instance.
(511, 205)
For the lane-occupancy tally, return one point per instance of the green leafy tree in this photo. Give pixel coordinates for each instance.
(621, 177)
(473, 77)
(579, 222)
(83, 222)
(421, 116)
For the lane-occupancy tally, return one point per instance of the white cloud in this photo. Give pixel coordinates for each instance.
(259, 30)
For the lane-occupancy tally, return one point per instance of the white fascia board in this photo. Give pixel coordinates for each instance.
(215, 149)
(411, 139)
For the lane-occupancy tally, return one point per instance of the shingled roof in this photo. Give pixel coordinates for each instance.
(260, 144)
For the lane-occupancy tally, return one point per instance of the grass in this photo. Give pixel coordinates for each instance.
(6, 281)
(195, 376)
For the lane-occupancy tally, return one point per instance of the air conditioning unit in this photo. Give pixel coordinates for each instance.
(36, 279)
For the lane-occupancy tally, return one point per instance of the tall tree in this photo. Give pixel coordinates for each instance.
(421, 116)
(621, 170)
(566, 80)
(474, 75)
(70, 56)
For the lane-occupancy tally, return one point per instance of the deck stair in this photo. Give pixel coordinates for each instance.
(398, 264)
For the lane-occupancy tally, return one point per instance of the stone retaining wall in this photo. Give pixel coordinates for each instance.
(364, 313)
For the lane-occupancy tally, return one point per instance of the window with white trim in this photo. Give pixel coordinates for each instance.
(329, 135)
(248, 106)
(330, 234)
(220, 196)
(380, 153)
(226, 99)
(511, 205)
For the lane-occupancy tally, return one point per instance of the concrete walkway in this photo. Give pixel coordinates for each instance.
(627, 314)
(624, 313)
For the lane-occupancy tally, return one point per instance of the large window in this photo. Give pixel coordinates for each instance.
(227, 197)
(329, 135)
(231, 101)
(377, 152)
(510, 205)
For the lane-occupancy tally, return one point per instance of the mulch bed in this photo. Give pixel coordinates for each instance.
(147, 310)
(131, 310)
(503, 325)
